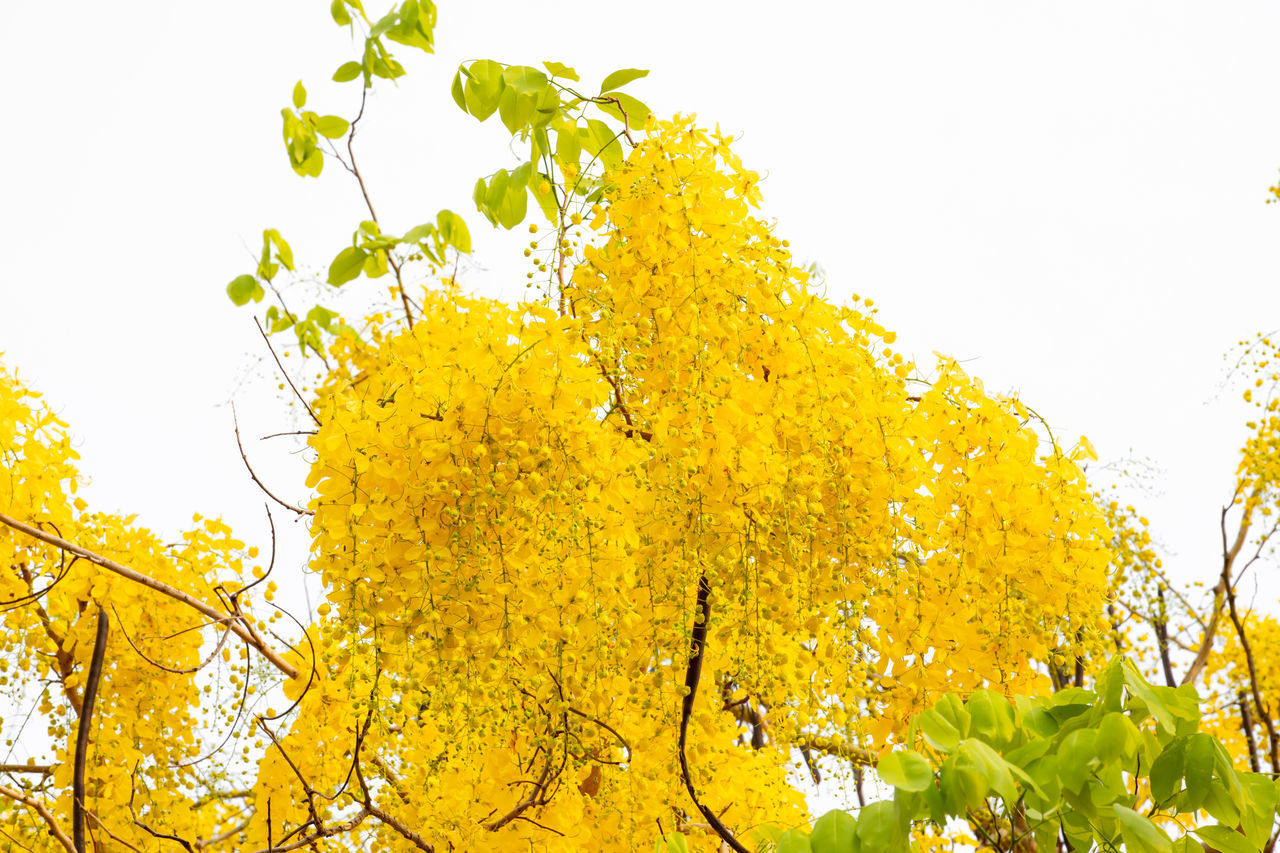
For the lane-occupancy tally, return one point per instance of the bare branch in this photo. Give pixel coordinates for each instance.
(239, 626)
(41, 809)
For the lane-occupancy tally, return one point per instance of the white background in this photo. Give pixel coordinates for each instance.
(1066, 196)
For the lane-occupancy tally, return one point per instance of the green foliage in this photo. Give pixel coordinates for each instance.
(1102, 766)
(570, 148)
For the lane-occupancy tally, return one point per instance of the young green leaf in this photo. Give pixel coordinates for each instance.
(243, 288)
(346, 266)
(1140, 834)
(299, 95)
(332, 127)
(558, 70)
(346, 72)
(834, 832)
(620, 78)
(906, 769)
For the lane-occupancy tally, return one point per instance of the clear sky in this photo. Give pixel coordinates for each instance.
(1066, 196)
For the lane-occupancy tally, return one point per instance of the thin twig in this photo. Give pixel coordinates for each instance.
(41, 809)
(235, 422)
(239, 626)
(285, 373)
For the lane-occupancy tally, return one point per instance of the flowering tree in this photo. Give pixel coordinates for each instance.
(598, 564)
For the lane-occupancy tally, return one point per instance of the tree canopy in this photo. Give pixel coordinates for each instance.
(602, 566)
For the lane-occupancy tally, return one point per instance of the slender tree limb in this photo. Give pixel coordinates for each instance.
(285, 373)
(1161, 626)
(1229, 554)
(84, 729)
(41, 809)
(855, 755)
(254, 475)
(239, 626)
(692, 675)
(40, 769)
(1242, 701)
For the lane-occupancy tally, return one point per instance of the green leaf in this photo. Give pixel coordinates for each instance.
(992, 717)
(937, 730)
(1139, 687)
(459, 97)
(1197, 770)
(677, 843)
(346, 266)
(299, 95)
(243, 288)
(1166, 771)
(1225, 839)
(877, 826)
(524, 80)
(568, 144)
(558, 70)
(338, 9)
(793, 841)
(453, 229)
(332, 127)
(415, 25)
(1260, 792)
(620, 78)
(1118, 737)
(1076, 755)
(1140, 834)
(906, 769)
(991, 766)
(636, 113)
(322, 317)
(834, 832)
(483, 88)
(346, 72)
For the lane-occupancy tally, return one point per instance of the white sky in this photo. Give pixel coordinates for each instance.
(1067, 196)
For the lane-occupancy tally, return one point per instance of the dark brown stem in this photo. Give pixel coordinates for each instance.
(1229, 554)
(1161, 626)
(692, 675)
(1246, 723)
(83, 730)
(1273, 739)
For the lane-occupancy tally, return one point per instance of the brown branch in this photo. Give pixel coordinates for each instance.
(1273, 739)
(285, 373)
(64, 658)
(1161, 626)
(41, 809)
(41, 769)
(240, 626)
(225, 835)
(692, 675)
(217, 796)
(253, 474)
(373, 214)
(853, 754)
(82, 730)
(322, 832)
(1229, 554)
(1242, 701)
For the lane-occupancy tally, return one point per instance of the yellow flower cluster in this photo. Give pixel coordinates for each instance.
(147, 719)
(514, 509)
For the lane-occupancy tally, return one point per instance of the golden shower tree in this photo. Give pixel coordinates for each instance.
(599, 566)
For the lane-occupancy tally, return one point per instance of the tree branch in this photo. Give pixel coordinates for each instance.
(239, 626)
